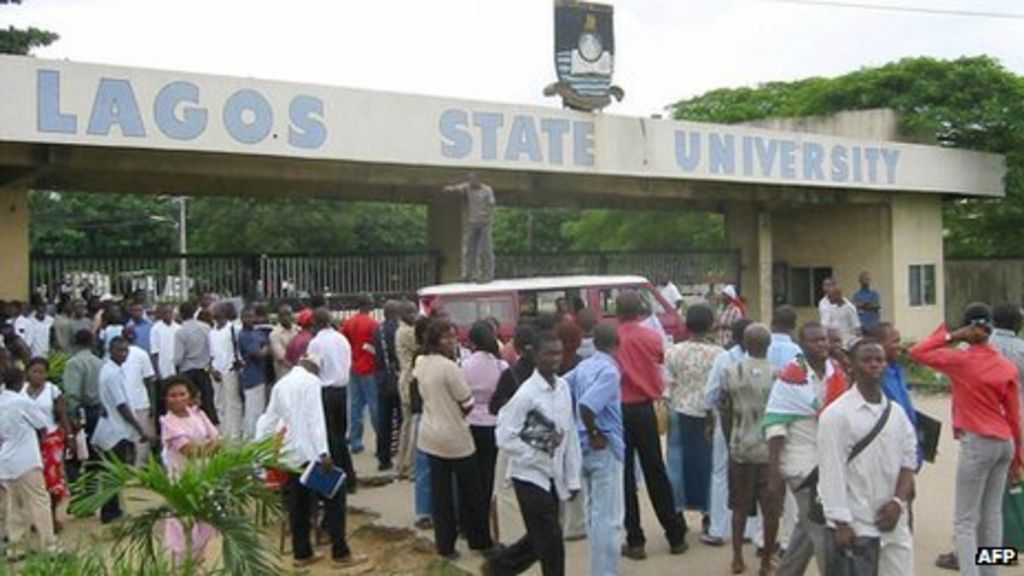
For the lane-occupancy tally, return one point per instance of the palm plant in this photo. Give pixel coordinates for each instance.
(221, 489)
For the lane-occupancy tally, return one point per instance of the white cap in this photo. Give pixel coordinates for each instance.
(729, 291)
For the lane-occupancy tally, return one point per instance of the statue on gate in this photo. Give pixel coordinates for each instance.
(477, 232)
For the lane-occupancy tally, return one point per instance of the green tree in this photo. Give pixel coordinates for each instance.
(301, 225)
(78, 223)
(531, 230)
(972, 103)
(667, 231)
(21, 41)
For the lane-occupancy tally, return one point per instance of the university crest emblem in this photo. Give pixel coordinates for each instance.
(584, 56)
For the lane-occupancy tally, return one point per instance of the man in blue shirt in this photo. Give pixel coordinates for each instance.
(894, 383)
(253, 347)
(783, 350)
(141, 324)
(868, 303)
(596, 388)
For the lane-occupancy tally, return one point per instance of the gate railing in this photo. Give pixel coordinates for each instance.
(259, 276)
(396, 274)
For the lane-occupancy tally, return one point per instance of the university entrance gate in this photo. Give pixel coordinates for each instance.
(842, 194)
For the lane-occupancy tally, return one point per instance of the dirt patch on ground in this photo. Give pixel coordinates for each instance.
(390, 551)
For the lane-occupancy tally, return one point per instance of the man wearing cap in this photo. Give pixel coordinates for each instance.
(296, 348)
(297, 418)
(986, 421)
(732, 310)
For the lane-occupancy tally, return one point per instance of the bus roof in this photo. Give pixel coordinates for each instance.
(540, 283)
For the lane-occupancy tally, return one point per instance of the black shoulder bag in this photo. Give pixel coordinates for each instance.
(388, 376)
(817, 512)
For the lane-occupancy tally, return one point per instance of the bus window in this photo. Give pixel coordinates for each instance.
(467, 310)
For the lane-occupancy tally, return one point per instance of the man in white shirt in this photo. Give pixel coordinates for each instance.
(296, 415)
(118, 429)
(139, 379)
(864, 495)
(335, 354)
(161, 341)
(781, 352)
(791, 428)
(538, 432)
(38, 328)
(224, 366)
(21, 467)
(838, 313)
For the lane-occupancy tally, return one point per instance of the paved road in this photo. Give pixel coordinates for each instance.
(933, 518)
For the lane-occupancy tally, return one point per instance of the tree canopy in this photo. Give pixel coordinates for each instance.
(972, 103)
(21, 41)
(88, 223)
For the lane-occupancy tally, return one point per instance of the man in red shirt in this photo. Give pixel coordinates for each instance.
(986, 421)
(641, 356)
(359, 331)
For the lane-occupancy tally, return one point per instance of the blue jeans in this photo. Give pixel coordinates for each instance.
(424, 501)
(674, 461)
(603, 485)
(363, 393)
(718, 501)
(680, 439)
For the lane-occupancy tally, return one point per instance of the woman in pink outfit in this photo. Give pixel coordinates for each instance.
(186, 433)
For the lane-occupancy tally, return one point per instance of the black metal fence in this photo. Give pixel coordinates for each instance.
(263, 276)
(291, 276)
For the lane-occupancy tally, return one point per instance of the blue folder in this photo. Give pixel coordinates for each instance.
(320, 480)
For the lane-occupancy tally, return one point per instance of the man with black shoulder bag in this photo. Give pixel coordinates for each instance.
(388, 401)
(867, 458)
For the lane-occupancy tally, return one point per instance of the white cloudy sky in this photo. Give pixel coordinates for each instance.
(502, 49)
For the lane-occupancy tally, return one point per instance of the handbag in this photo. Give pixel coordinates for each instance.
(415, 400)
(817, 512)
(663, 416)
(928, 430)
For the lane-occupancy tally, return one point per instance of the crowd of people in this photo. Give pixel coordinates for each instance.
(803, 439)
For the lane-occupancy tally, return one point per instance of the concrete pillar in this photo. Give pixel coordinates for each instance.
(14, 244)
(917, 241)
(445, 218)
(749, 231)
